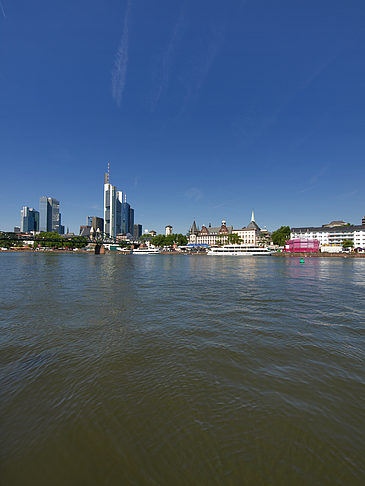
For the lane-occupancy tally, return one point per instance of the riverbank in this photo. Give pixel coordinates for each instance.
(319, 255)
(180, 253)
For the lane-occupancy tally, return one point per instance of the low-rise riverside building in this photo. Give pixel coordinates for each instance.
(302, 245)
(332, 235)
(250, 235)
(210, 235)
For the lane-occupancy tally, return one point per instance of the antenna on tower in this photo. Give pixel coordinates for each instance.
(106, 176)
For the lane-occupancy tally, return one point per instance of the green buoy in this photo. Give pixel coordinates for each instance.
(302, 260)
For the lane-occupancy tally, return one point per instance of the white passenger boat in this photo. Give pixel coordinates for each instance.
(239, 250)
(145, 251)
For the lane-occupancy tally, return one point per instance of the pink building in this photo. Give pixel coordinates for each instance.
(301, 245)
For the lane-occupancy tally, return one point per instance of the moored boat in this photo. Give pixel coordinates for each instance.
(239, 250)
(145, 251)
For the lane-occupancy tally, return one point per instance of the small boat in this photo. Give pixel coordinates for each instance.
(145, 251)
(239, 250)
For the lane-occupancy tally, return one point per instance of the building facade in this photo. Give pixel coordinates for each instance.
(137, 231)
(209, 235)
(50, 216)
(250, 235)
(131, 221)
(97, 224)
(168, 230)
(29, 220)
(302, 245)
(110, 207)
(332, 235)
(118, 215)
(125, 222)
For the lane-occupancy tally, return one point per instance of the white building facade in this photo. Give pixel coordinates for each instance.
(210, 235)
(332, 236)
(113, 208)
(249, 235)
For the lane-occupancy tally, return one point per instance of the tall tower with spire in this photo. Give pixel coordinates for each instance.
(110, 206)
(253, 216)
(118, 215)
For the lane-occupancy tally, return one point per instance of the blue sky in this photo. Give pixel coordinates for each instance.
(205, 109)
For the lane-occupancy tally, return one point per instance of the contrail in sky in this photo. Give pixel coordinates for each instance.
(2, 8)
(121, 60)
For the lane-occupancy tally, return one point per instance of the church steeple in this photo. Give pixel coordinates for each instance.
(253, 216)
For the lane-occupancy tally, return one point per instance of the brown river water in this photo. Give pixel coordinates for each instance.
(165, 370)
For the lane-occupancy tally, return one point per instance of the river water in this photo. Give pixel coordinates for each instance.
(178, 370)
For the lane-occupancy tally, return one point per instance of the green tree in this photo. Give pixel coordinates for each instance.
(49, 239)
(181, 240)
(9, 240)
(347, 244)
(170, 240)
(124, 244)
(281, 235)
(234, 239)
(159, 240)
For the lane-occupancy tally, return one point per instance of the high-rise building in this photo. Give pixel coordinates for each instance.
(131, 220)
(89, 221)
(50, 217)
(118, 215)
(125, 217)
(29, 220)
(137, 230)
(97, 223)
(110, 207)
(119, 205)
(363, 221)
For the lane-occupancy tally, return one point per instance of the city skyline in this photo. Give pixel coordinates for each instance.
(205, 112)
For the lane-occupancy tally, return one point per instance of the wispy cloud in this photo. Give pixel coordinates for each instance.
(210, 45)
(119, 72)
(315, 178)
(348, 195)
(2, 9)
(168, 59)
(194, 194)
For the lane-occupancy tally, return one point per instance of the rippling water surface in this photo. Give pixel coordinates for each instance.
(177, 370)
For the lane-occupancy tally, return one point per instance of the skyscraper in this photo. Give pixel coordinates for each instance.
(118, 215)
(137, 230)
(125, 217)
(50, 217)
(29, 220)
(119, 212)
(110, 194)
(131, 220)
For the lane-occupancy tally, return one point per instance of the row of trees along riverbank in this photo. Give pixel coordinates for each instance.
(44, 240)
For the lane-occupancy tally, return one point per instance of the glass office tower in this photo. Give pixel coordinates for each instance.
(50, 217)
(118, 215)
(125, 217)
(29, 220)
(131, 220)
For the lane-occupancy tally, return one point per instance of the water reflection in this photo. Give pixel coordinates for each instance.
(181, 370)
